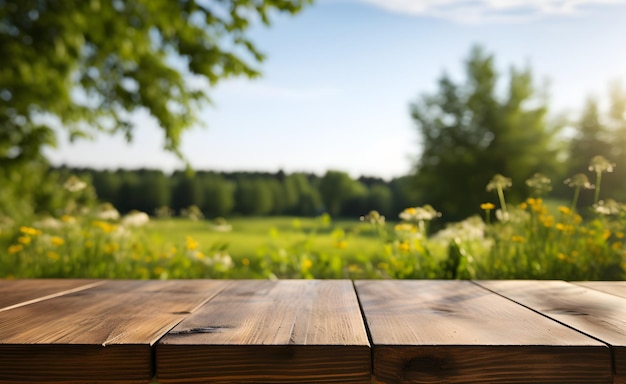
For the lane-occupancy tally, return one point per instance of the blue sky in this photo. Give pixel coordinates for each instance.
(340, 76)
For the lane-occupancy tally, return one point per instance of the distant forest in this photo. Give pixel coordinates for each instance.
(248, 193)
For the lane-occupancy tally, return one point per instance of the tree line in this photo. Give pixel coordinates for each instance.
(247, 193)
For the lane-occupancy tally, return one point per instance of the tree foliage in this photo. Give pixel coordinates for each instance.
(602, 132)
(88, 64)
(471, 131)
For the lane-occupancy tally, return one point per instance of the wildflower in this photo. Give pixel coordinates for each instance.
(424, 213)
(24, 240)
(487, 206)
(500, 183)
(373, 217)
(108, 212)
(13, 249)
(245, 261)
(307, 264)
(158, 271)
(616, 246)
(518, 239)
(539, 184)
(599, 164)
(74, 184)
(404, 246)
(56, 240)
(608, 207)
(30, 231)
(578, 181)
(341, 244)
(546, 220)
(136, 219)
(565, 210)
(190, 243)
(404, 227)
(68, 219)
(104, 226)
(110, 248)
(50, 223)
(619, 235)
(52, 255)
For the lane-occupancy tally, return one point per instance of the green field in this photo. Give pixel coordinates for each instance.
(248, 235)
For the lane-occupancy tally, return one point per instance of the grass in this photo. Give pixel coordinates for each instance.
(249, 234)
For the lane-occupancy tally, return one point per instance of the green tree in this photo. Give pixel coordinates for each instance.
(380, 199)
(88, 64)
(602, 133)
(219, 197)
(153, 190)
(471, 131)
(186, 191)
(336, 188)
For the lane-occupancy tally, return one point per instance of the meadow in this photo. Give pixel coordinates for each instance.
(532, 239)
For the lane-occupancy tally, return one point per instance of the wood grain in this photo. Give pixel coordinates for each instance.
(617, 288)
(288, 331)
(595, 313)
(101, 334)
(457, 332)
(14, 293)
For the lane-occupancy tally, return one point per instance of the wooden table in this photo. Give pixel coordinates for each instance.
(312, 331)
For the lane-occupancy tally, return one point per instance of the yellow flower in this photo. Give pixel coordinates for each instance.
(245, 261)
(523, 206)
(30, 231)
(56, 240)
(619, 235)
(404, 246)
(616, 246)
(15, 248)
(342, 244)
(104, 226)
(110, 248)
(404, 227)
(52, 255)
(190, 243)
(518, 239)
(158, 270)
(565, 210)
(487, 206)
(560, 227)
(68, 219)
(306, 264)
(24, 240)
(547, 220)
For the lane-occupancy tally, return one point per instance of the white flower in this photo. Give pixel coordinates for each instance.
(108, 212)
(74, 184)
(48, 223)
(136, 219)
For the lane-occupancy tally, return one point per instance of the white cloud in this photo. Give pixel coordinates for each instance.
(489, 11)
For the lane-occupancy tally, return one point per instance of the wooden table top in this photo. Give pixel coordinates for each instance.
(312, 331)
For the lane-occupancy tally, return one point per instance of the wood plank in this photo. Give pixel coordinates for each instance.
(595, 313)
(617, 288)
(15, 293)
(102, 334)
(288, 331)
(457, 332)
